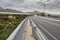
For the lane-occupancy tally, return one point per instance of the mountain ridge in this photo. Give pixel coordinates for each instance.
(9, 10)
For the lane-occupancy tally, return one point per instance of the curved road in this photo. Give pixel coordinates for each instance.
(50, 28)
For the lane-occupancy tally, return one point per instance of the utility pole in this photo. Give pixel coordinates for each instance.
(36, 12)
(44, 7)
(39, 5)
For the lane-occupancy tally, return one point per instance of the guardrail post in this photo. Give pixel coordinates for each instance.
(37, 33)
(33, 28)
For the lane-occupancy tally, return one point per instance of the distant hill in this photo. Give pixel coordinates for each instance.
(1, 8)
(9, 10)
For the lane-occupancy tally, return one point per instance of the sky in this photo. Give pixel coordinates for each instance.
(31, 5)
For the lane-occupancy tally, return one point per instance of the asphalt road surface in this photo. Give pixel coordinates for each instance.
(50, 28)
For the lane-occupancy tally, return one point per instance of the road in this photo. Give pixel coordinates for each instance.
(50, 28)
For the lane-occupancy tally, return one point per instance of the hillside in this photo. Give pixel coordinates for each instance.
(9, 10)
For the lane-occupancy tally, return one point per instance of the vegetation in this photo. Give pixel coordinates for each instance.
(56, 16)
(41, 14)
(49, 15)
(32, 14)
(8, 23)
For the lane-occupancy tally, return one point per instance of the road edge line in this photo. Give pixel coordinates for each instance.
(47, 32)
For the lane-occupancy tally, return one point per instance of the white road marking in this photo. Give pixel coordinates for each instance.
(48, 32)
(58, 25)
(41, 34)
(50, 19)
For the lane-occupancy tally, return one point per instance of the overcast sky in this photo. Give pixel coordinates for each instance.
(29, 5)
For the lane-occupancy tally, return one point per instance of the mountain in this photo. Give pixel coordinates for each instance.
(1, 8)
(9, 10)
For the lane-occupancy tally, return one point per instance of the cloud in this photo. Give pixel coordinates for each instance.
(25, 5)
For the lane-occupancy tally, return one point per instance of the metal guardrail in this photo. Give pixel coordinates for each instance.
(12, 36)
(37, 33)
